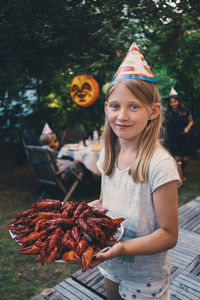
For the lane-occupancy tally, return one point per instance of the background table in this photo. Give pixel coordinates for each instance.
(87, 155)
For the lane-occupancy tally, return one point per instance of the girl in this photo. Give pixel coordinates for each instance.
(139, 183)
(50, 141)
(179, 122)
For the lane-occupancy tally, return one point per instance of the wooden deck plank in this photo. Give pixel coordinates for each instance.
(190, 212)
(190, 204)
(194, 204)
(66, 292)
(92, 278)
(189, 216)
(192, 218)
(99, 285)
(197, 199)
(185, 272)
(77, 273)
(90, 293)
(182, 254)
(175, 271)
(85, 276)
(194, 266)
(72, 290)
(95, 280)
(185, 286)
(49, 294)
(173, 297)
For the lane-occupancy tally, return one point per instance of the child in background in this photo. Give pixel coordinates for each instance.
(48, 138)
(139, 183)
(179, 122)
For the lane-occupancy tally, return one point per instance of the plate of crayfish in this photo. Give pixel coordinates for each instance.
(65, 231)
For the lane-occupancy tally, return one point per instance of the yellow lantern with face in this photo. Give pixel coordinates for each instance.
(84, 90)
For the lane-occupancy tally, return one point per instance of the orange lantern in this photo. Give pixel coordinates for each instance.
(84, 90)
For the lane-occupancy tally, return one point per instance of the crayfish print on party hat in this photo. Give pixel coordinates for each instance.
(134, 66)
(47, 130)
(173, 93)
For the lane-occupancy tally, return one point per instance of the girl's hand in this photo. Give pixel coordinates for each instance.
(96, 204)
(112, 252)
(186, 130)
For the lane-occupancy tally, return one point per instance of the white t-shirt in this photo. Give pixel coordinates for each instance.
(133, 201)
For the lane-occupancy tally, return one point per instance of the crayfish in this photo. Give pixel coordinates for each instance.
(70, 231)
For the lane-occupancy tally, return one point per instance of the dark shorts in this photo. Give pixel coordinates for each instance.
(179, 144)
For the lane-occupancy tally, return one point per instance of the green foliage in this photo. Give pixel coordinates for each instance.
(164, 81)
(57, 40)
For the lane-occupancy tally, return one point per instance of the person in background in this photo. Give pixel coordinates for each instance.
(179, 121)
(49, 140)
(139, 183)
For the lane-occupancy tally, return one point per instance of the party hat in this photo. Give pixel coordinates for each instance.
(134, 66)
(173, 92)
(46, 130)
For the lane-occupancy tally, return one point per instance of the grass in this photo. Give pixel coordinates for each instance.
(191, 188)
(22, 276)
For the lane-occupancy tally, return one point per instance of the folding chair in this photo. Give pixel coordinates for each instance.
(31, 140)
(20, 157)
(66, 178)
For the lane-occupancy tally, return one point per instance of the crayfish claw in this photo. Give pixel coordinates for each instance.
(30, 250)
(52, 255)
(42, 256)
(86, 258)
(70, 256)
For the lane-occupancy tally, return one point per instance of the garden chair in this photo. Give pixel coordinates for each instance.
(31, 140)
(65, 178)
(20, 157)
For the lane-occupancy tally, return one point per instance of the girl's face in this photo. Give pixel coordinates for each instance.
(126, 114)
(173, 103)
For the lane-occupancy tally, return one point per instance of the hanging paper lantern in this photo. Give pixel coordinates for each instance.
(84, 90)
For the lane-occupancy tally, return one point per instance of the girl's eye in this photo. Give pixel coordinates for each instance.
(114, 106)
(133, 107)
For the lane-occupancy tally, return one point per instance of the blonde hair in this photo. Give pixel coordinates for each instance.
(48, 139)
(148, 94)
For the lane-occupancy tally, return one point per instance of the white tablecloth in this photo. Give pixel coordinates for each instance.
(87, 155)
